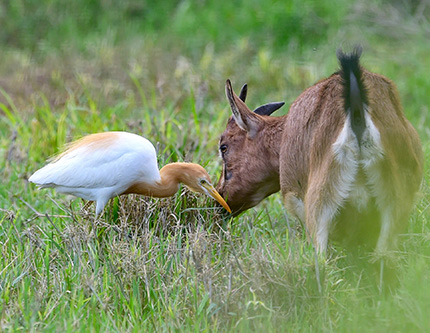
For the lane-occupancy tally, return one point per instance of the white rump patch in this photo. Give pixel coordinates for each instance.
(356, 177)
(352, 158)
(347, 155)
(371, 146)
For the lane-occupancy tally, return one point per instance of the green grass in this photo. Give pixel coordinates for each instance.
(158, 69)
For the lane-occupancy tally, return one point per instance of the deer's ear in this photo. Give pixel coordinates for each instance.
(269, 108)
(244, 117)
(243, 92)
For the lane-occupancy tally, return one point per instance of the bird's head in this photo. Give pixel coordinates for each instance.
(197, 179)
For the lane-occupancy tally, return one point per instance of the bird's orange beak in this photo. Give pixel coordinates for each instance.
(214, 194)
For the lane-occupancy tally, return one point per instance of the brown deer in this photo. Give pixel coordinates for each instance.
(344, 156)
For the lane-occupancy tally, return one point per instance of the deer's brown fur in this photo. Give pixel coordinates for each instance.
(326, 175)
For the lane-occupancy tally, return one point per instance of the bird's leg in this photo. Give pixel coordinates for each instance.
(84, 211)
(86, 205)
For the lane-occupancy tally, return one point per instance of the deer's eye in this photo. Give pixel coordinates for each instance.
(223, 148)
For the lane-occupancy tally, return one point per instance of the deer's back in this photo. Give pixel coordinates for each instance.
(316, 118)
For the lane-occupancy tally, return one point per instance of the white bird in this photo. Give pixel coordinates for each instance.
(101, 166)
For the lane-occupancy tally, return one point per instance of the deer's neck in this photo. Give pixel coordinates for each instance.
(273, 133)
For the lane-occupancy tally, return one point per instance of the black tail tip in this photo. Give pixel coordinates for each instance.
(354, 55)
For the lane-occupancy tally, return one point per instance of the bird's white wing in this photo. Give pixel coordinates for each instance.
(104, 160)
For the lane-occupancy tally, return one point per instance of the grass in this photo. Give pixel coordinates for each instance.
(176, 264)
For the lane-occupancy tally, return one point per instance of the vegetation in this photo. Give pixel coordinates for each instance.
(158, 68)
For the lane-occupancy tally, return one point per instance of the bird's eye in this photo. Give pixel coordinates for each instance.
(203, 182)
(223, 148)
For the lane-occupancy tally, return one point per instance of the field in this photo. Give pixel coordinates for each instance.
(70, 68)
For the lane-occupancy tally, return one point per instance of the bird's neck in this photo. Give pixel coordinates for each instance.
(171, 176)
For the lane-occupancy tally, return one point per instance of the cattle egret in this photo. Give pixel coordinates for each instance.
(101, 166)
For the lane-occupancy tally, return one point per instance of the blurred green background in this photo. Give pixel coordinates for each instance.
(252, 40)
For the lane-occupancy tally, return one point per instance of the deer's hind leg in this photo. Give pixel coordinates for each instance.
(324, 199)
(331, 181)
